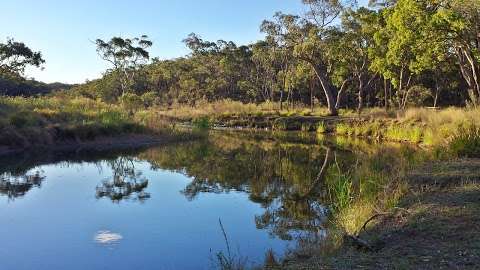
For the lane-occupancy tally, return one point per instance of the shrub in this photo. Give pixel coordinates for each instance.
(201, 123)
(131, 102)
(25, 119)
(149, 98)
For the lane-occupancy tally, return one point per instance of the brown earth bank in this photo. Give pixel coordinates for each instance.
(435, 226)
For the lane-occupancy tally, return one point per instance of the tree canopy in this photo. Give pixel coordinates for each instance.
(338, 54)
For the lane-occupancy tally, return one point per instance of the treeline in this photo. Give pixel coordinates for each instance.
(391, 53)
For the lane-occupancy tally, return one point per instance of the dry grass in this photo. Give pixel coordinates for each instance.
(439, 118)
(234, 108)
(26, 122)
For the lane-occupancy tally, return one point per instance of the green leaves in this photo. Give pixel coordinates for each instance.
(16, 56)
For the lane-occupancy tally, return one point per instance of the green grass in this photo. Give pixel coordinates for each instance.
(321, 128)
(466, 143)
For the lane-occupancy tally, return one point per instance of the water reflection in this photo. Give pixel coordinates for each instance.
(15, 186)
(127, 183)
(284, 178)
(296, 182)
(107, 238)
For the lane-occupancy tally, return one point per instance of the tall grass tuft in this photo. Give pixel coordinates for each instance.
(466, 143)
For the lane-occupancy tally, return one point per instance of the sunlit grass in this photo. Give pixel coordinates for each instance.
(43, 120)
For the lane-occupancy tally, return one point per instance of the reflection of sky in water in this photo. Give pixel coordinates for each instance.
(168, 230)
(107, 238)
(165, 206)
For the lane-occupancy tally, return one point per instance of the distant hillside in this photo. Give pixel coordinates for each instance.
(21, 87)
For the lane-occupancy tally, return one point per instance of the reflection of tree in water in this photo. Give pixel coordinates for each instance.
(284, 178)
(127, 182)
(15, 186)
(296, 212)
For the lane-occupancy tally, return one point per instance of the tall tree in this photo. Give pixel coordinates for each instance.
(126, 56)
(314, 36)
(457, 22)
(354, 44)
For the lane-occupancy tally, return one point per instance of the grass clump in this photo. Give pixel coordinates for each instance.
(404, 133)
(466, 143)
(321, 128)
(343, 129)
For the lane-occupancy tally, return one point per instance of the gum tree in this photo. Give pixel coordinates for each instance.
(16, 56)
(126, 57)
(313, 43)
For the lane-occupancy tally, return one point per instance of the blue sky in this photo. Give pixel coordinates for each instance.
(64, 29)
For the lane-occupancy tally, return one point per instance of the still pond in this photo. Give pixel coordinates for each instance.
(178, 206)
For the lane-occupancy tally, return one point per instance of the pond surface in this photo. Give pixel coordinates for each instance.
(234, 196)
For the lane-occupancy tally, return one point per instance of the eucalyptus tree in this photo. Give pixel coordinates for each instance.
(314, 34)
(401, 49)
(280, 39)
(355, 41)
(126, 56)
(265, 78)
(16, 56)
(457, 22)
(420, 36)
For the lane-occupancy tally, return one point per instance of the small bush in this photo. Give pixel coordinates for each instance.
(201, 123)
(131, 102)
(24, 119)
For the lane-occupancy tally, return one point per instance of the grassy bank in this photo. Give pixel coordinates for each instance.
(416, 125)
(401, 208)
(419, 125)
(45, 121)
(433, 225)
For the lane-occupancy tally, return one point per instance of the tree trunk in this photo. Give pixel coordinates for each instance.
(469, 71)
(385, 88)
(437, 93)
(400, 89)
(328, 88)
(312, 105)
(281, 99)
(360, 94)
(340, 94)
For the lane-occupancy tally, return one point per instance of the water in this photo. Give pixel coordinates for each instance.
(160, 208)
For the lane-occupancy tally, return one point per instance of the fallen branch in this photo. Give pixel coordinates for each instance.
(380, 215)
(370, 220)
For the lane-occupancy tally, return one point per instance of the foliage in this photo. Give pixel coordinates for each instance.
(336, 54)
(126, 57)
(131, 102)
(201, 123)
(16, 56)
